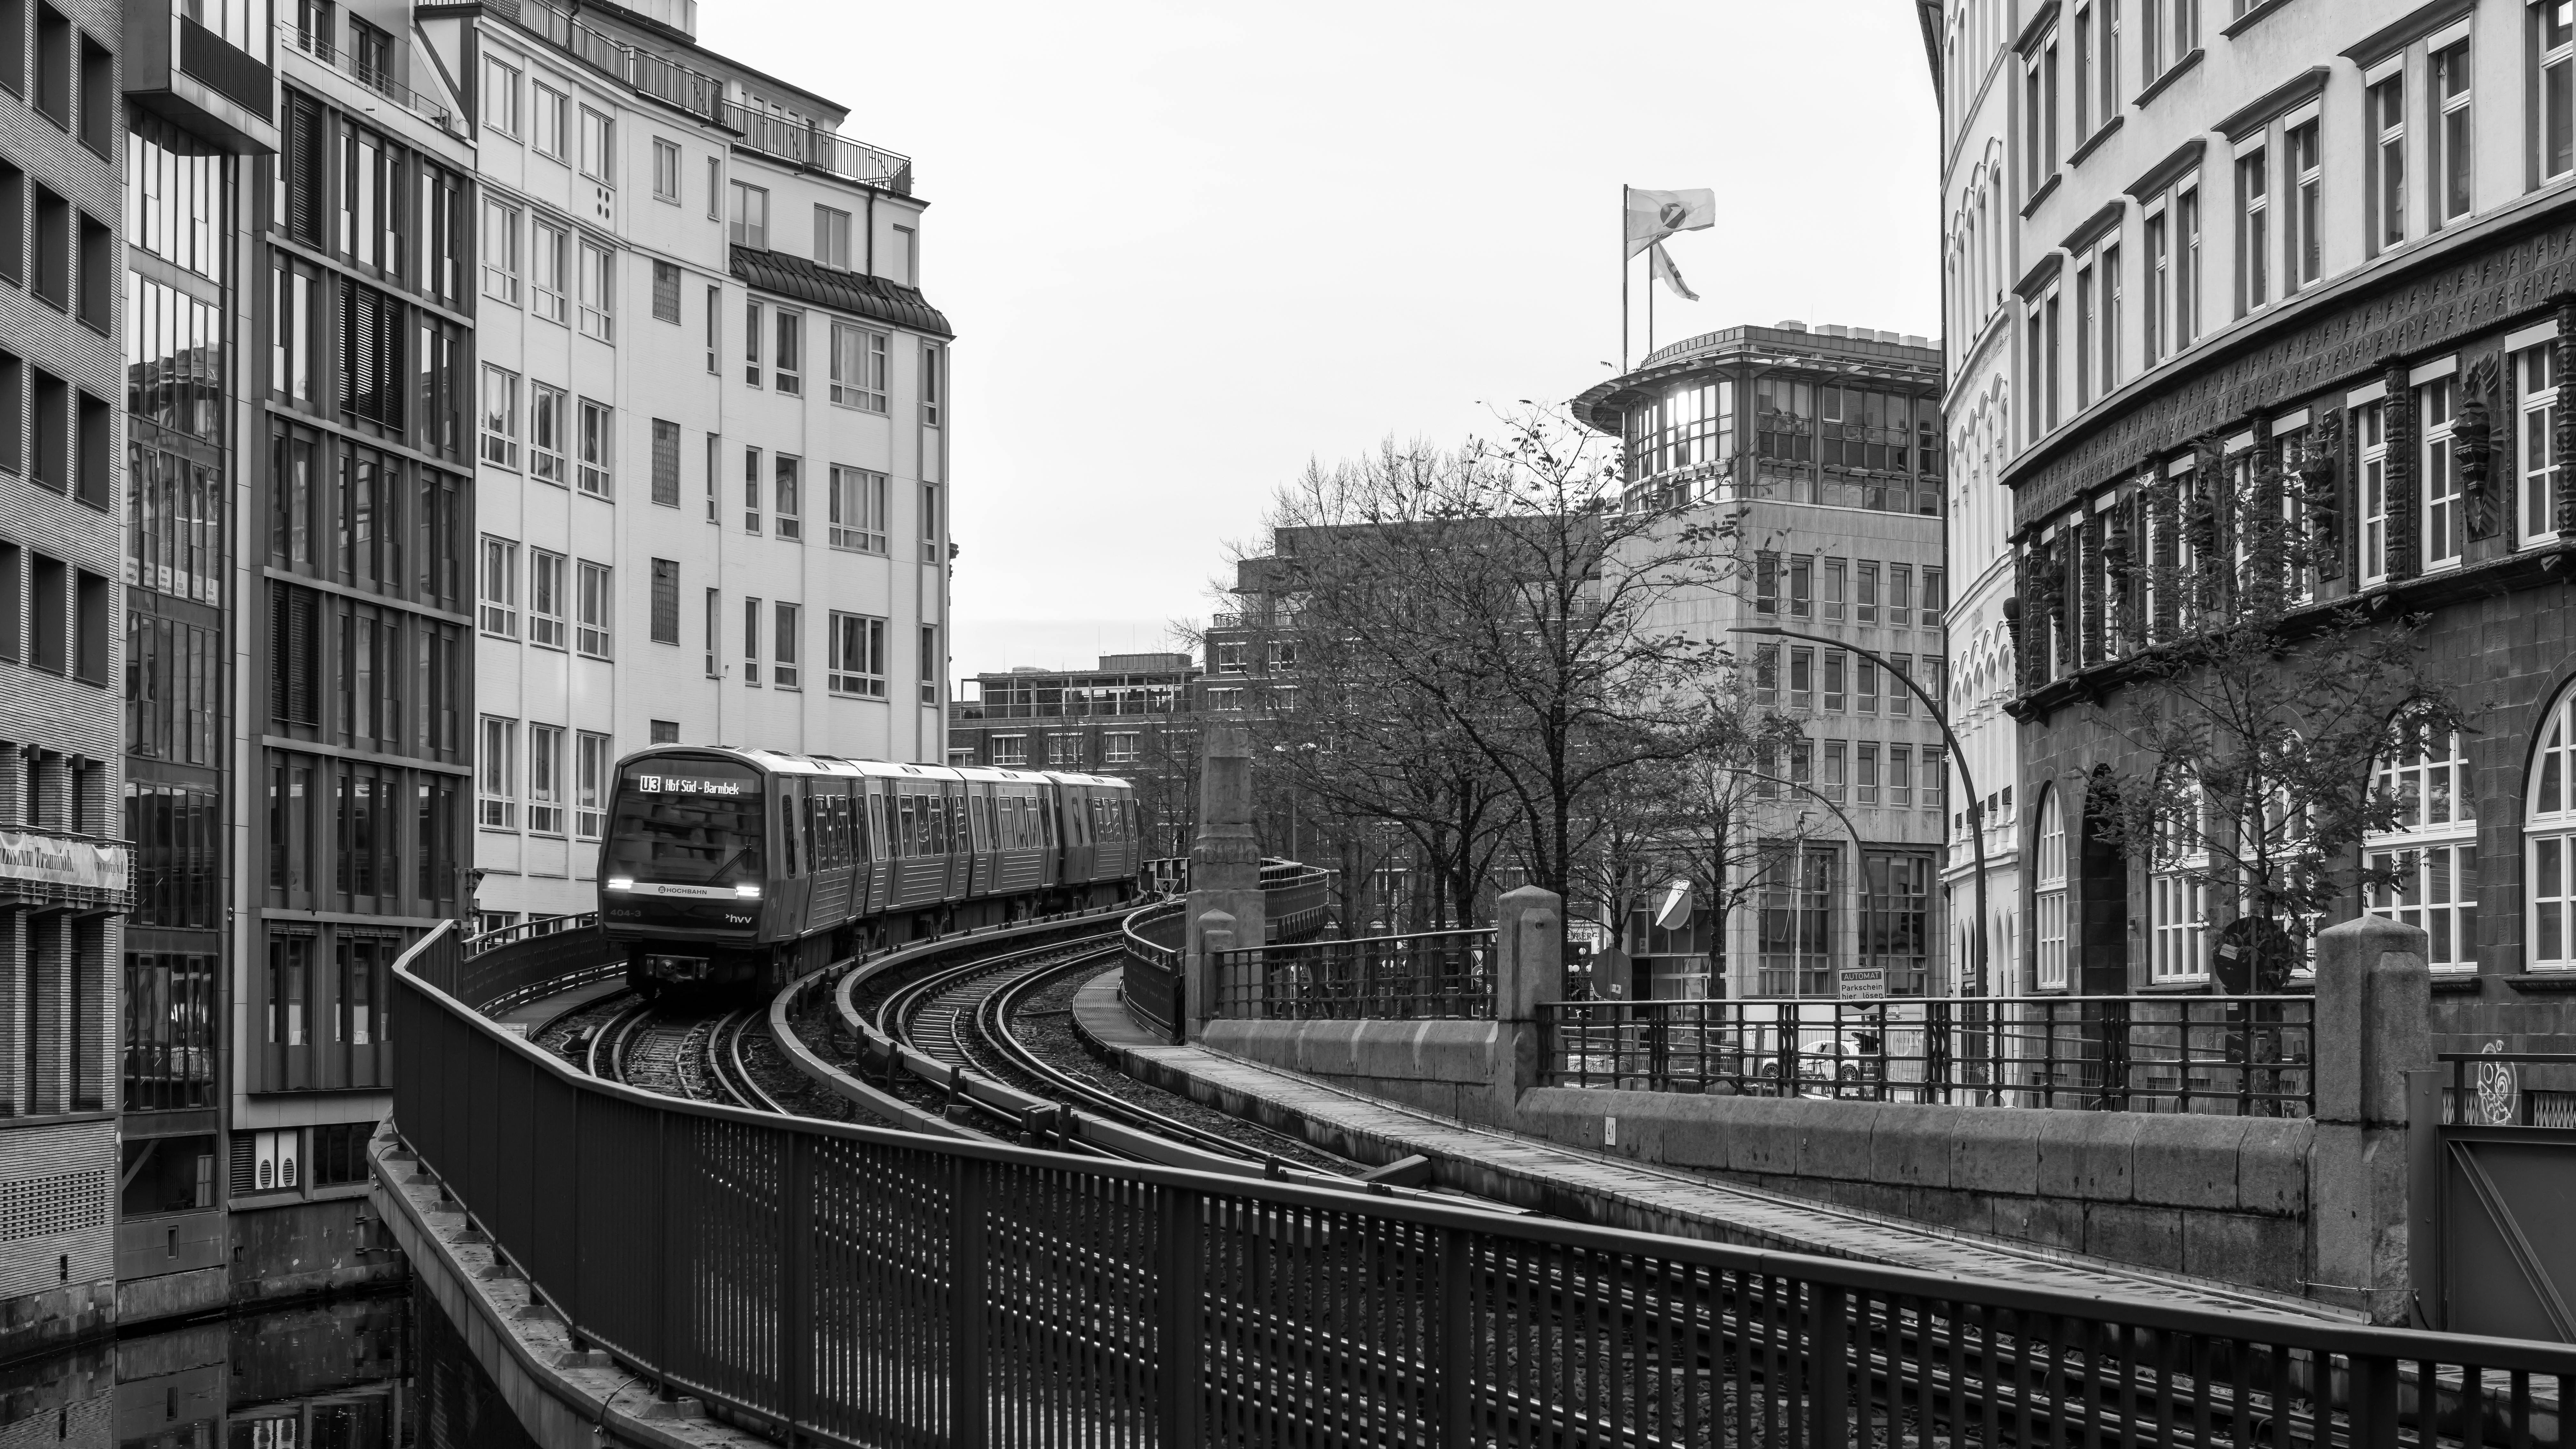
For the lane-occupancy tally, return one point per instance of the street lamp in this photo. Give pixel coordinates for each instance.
(1976, 813)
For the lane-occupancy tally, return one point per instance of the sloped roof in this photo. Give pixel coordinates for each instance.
(871, 297)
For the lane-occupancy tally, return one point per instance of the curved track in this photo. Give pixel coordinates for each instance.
(678, 1052)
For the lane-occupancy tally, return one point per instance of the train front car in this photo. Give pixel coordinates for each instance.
(684, 873)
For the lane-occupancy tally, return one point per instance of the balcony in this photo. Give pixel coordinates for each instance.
(794, 140)
(376, 78)
(693, 91)
(211, 83)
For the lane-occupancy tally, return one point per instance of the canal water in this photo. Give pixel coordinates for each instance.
(387, 1371)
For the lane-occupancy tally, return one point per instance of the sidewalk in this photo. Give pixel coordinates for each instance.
(1588, 1187)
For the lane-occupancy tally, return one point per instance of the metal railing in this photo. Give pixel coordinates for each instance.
(654, 75)
(551, 956)
(847, 1285)
(800, 141)
(291, 36)
(1431, 974)
(1151, 982)
(2508, 1089)
(2246, 1056)
(1295, 903)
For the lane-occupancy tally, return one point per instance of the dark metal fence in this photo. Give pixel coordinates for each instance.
(501, 969)
(1151, 981)
(2243, 1056)
(1430, 974)
(847, 1285)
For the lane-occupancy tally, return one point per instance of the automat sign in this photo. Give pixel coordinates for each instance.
(1864, 983)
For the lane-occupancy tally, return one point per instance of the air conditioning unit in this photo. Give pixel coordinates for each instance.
(277, 1156)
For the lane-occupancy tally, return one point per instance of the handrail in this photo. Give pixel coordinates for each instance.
(751, 1259)
(291, 36)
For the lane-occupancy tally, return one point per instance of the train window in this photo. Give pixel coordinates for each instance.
(703, 828)
(907, 810)
(790, 815)
(960, 832)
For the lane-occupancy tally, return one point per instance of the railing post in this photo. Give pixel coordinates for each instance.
(966, 1291)
(1828, 1366)
(1458, 1337)
(1178, 1293)
(1937, 1048)
(1529, 969)
(2373, 1026)
(795, 1280)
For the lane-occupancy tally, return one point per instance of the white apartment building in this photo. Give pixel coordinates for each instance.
(712, 428)
(1980, 233)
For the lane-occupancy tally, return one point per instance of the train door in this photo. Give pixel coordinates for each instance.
(1078, 852)
(875, 825)
(953, 835)
(979, 815)
(791, 885)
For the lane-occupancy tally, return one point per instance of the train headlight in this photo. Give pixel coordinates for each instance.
(621, 882)
(747, 892)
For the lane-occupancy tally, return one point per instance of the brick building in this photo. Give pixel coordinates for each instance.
(1135, 717)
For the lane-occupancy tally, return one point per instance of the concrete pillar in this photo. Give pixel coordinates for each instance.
(1529, 970)
(2373, 1026)
(1209, 934)
(1225, 859)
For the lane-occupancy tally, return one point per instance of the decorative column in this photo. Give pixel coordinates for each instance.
(2405, 550)
(2563, 360)
(1225, 863)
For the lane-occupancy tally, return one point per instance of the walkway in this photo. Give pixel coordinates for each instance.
(1588, 1187)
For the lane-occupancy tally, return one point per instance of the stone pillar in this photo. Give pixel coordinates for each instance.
(1529, 969)
(1210, 934)
(1225, 860)
(2373, 1026)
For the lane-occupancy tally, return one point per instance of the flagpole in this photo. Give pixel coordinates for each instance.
(1650, 300)
(1623, 280)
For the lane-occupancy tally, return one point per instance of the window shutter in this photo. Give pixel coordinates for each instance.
(303, 162)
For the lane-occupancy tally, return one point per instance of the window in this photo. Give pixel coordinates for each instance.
(2385, 108)
(546, 117)
(2157, 275)
(857, 662)
(549, 247)
(2108, 332)
(751, 342)
(750, 224)
(1837, 576)
(548, 422)
(666, 292)
(1766, 582)
(598, 605)
(500, 425)
(715, 631)
(2537, 372)
(934, 383)
(500, 588)
(2178, 893)
(665, 732)
(1865, 597)
(500, 96)
(1936, 598)
(2187, 273)
(500, 251)
(1900, 776)
(1802, 587)
(1900, 595)
(751, 642)
(751, 490)
(930, 551)
(1865, 774)
(1802, 678)
(2374, 493)
(2302, 252)
(598, 445)
(1865, 679)
(598, 317)
(1010, 751)
(858, 510)
(1794, 932)
(2423, 871)
(1120, 748)
(2447, 165)
(2549, 842)
(547, 597)
(2253, 231)
(598, 136)
(2553, 40)
(932, 659)
(1836, 699)
(1836, 777)
(495, 771)
(858, 368)
(783, 648)
(903, 262)
(2048, 902)
(789, 355)
(715, 330)
(2445, 528)
(666, 463)
(789, 498)
(832, 237)
(545, 779)
(2084, 122)
(1063, 751)
(666, 171)
(598, 758)
(666, 601)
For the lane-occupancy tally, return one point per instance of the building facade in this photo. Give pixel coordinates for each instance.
(1135, 718)
(2322, 257)
(65, 875)
(1825, 447)
(710, 428)
(1976, 81)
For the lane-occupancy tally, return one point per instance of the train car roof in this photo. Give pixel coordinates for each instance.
(784, 763)
(998, 775)
(1113, 782)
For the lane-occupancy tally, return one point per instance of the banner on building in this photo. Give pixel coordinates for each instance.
(52, 861)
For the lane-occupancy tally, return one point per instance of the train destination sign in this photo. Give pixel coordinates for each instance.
(683, 785)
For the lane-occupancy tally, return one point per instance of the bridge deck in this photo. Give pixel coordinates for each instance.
(1605, 1190)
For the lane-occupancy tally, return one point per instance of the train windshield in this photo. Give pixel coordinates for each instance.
(687, 822)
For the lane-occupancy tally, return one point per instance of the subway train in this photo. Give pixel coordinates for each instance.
(742, 869)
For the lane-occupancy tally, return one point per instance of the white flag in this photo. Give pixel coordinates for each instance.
(1660, 262)
(1655, 215)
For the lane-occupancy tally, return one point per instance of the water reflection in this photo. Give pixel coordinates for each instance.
(386, 1372)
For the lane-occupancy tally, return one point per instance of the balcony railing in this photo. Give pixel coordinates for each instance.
(2243, 1056)
(291, 36)
(792, 139)
(693, 91)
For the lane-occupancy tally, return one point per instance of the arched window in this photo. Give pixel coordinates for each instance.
(2425, 871)
(2048, 902)
(2549, 835)
(2178, 893)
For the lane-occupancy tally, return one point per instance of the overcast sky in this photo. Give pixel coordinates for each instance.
(1189, 246)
